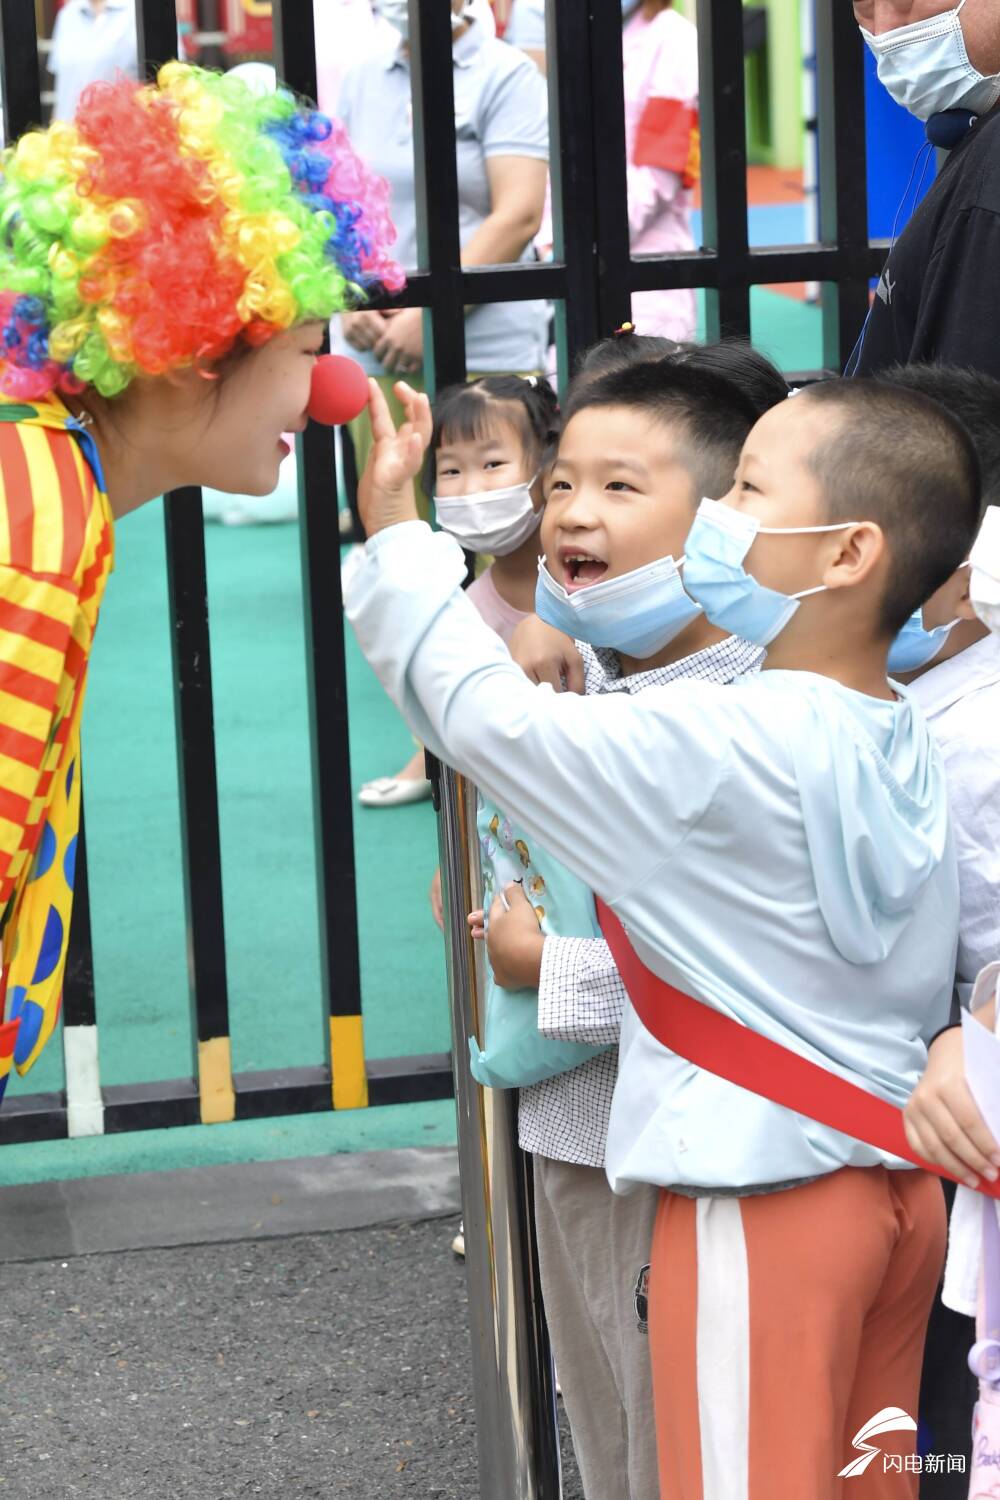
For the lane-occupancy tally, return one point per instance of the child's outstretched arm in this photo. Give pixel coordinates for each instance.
(585, 776)
(544, 654)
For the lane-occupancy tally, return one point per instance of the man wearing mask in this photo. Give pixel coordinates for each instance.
(938, 298)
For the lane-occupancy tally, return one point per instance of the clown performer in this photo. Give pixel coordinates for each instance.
(168, 264)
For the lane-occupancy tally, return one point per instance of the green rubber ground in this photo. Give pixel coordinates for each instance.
(133, 826)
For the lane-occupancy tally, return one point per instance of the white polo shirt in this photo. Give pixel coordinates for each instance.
(501, 109)
(961, 702)
(90, 46)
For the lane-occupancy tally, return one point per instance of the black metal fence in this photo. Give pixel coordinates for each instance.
(589, 282)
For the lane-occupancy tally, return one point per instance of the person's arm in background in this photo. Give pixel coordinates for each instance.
(513, 127)
(514, 131)
(666, 153)
(517, 197)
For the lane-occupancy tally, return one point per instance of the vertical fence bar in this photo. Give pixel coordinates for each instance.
(156, 34)
(722, 109)
(516, 1432)
(607, 126)
(84, 1103)
(436, 178)
(572, 172)
(211, 55)
(340, 963)
(22, 104)
(187, 582)
(199, 801)
(843, 191)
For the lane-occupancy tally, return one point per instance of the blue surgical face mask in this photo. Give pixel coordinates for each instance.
(731, 597)
(914, 646)
(638, 613)
(926, 68)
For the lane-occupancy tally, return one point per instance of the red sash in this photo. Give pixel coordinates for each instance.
(720, 1045)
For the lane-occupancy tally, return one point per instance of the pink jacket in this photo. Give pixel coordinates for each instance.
(661, 63)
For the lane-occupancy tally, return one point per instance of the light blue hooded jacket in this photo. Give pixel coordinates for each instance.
(778, 848)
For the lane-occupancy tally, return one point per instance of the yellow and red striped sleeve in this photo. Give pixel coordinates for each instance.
(44, 505)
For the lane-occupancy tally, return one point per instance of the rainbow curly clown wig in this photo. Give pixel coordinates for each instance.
(171, 221)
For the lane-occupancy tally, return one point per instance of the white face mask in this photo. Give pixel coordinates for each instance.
(984, 580)
(926, 68)
(495, 521)
(397, 13)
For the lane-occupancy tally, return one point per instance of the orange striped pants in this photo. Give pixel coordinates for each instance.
(780, 1324)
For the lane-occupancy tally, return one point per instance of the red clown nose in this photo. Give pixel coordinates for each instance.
(339, 390)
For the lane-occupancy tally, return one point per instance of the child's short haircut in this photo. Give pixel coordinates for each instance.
(710, 412)
(735, 359)
(971, 396)
(466, 413)
(900, 459)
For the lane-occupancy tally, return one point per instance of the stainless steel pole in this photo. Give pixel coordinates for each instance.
(513, 1387)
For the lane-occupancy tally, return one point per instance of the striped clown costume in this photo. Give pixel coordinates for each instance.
(165, 227)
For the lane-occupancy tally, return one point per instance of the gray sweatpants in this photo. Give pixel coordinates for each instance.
(592, 1246)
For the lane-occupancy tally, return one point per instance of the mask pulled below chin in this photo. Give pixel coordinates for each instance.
(638, 613)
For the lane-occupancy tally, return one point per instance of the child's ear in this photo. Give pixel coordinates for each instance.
(859, 552)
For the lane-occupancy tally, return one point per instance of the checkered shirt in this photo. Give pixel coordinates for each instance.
(580, 995)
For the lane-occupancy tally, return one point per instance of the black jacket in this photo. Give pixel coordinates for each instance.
(939, 295)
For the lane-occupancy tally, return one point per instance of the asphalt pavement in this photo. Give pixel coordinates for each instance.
(326, 1365)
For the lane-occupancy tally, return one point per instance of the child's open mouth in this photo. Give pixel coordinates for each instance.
(580, 569)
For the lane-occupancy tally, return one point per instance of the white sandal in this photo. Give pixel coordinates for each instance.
(394, 791)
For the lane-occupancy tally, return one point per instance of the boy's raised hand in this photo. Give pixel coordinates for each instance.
(942, 1121)
(385, 489)
(546, 655)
